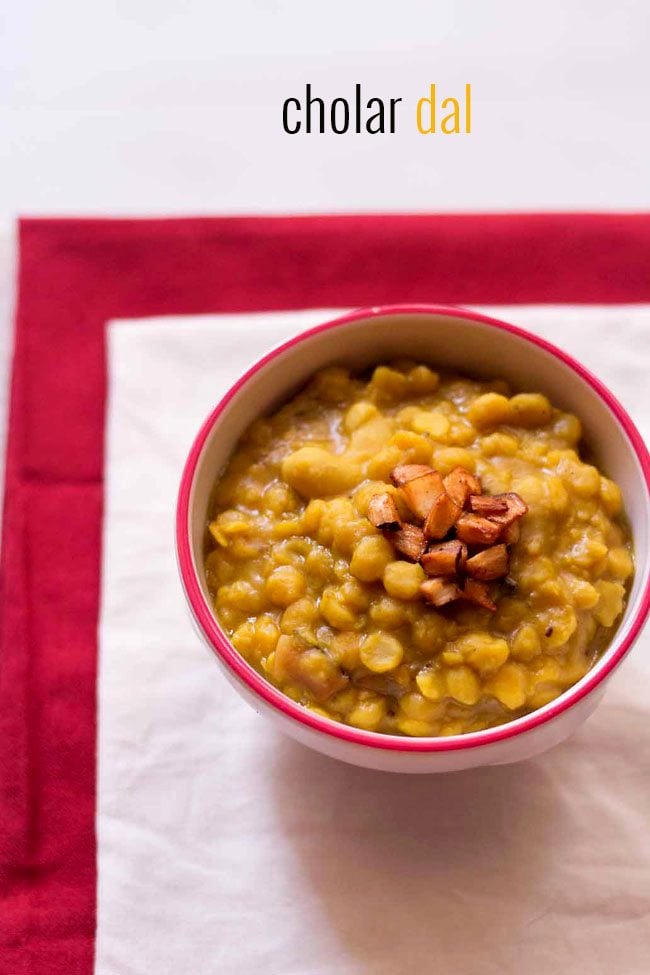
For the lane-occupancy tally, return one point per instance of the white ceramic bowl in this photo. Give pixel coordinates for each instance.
(474, 345)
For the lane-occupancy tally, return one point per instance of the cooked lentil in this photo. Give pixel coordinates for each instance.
(315, 598)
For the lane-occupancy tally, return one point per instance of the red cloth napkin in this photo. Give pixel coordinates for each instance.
(74, 276)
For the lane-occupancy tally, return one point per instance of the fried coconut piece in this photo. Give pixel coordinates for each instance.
(487, 505)
(478, 593)
(409, 541)
(443, 515)
(460, 484)
(510, 534)
(309, 667)
(509, 519)
(439, 592)
(491, 563)
(383, 513)
(421, 493)
(404, 473)
(476, 530)
(446, 559)
(455, 502)
(515, 508)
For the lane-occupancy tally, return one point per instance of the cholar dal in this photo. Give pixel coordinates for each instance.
(318, 600)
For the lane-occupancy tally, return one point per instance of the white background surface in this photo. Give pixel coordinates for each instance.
(140, 107)
(224, 849)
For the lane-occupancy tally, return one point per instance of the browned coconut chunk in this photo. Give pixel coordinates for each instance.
(308, 666)
(489, 522)
(460, 484)
(404, 473)
(420, 493)
(439, 592)
(476, 530)
(446, 559)
(510, 533)
(383, 513)
(491, 563)
(478, 593)
(516, 508)
(442, 516)
(486, 505)
(409, 541)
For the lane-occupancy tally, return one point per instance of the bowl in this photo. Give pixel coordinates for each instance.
(472, 344)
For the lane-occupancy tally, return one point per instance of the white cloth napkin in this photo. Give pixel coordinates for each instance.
(226, 849)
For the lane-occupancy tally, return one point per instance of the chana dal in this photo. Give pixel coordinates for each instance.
(316, 598)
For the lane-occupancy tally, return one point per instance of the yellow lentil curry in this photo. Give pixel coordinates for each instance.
(317, 599)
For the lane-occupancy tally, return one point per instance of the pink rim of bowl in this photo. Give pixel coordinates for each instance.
(208, 625)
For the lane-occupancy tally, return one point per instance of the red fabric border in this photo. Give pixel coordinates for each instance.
(76, 274)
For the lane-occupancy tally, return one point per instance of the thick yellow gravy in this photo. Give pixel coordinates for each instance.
(316, 599)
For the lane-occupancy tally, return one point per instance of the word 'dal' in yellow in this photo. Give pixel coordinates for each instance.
(457, 117)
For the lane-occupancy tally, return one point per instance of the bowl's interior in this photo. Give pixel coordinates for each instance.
(447, 341)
